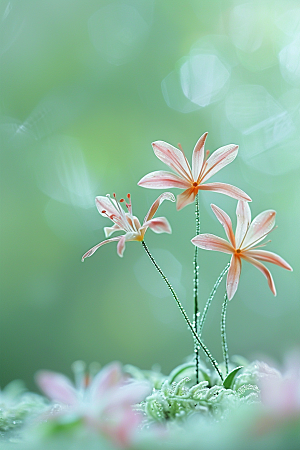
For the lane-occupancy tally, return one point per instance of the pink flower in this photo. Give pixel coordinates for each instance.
(134, 231)
(243, 245)
(105, 402)
(192, 180)
(281, 393)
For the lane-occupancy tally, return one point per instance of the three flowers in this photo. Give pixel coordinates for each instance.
(243, 245)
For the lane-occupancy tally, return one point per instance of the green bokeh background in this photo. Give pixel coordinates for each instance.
(85, 88)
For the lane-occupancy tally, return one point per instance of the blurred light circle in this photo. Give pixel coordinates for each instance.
(202, 77)
(289, 59)
(173, 95)
(117, 32)
(289, 22)
(270, 137)
(245, 29)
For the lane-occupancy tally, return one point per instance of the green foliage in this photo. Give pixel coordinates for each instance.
(17, 406)
(176, 399)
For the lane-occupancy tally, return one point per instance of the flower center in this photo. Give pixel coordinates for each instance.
(238, 250)
(195, 184)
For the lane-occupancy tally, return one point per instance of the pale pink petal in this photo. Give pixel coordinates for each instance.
(224, 219)
(121, 245)
(263, 269)
(159, 225)
(173, 157)
(130, 394)
(233, 276)
(226, 189)
(109, 230)
(185, 198)
(157, 203)
(219, 159)
(107, 205)
(108, 377)
(243, 216)
(198, 156)
(163, 180)
(120, 426)
(211, 242)
(92, 250)
(271, 257)
(259, 228)
(57, 387)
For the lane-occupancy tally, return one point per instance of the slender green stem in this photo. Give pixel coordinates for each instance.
(200, 343)
(196, 288)
(223, 333)
(211, 297)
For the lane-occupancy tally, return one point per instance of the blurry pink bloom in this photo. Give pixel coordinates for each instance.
(105, 402)
(134, 231)
(243, 245)
(281, 393)
(192, 180)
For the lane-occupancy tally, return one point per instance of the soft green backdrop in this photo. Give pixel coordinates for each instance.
(85, 88)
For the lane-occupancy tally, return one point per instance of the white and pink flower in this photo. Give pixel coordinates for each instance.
(243, 244)
(126, 221)
(103, 402)
(192, 179)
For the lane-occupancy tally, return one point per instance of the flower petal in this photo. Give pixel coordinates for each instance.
(157, 203)
(211, 242)
(161, 179)
(233, 276)
(159, 225)
(92, 250)
(271, 257)
(226, 189)
(173, 157)
(131, 393)
(121, 245)
(109, 230)
(57, 387)
(259, 228)
(243, 215)
(224, 219)
(198, 156)
(108, 377)
(187, 197)
(219, 159)
(263, 269)
(106, 204)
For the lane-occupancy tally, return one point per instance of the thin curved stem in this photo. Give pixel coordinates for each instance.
(200, 343)
(211, 297)
(223, 333)
(196, 288)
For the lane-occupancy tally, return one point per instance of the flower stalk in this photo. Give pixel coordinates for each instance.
(223, 333)
(196, 337)
(211, 297)
(196, 288)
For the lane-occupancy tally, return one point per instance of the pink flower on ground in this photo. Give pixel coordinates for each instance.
(281, 393)
(243, 245)
(192, 180)
(134, 231)
(104, 403)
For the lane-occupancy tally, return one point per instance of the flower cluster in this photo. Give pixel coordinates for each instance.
(242, 245)
(104, 402)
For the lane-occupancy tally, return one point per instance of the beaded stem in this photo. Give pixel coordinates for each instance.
(200, 343)
(196, 288)
(223, 333)
(211, 297)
